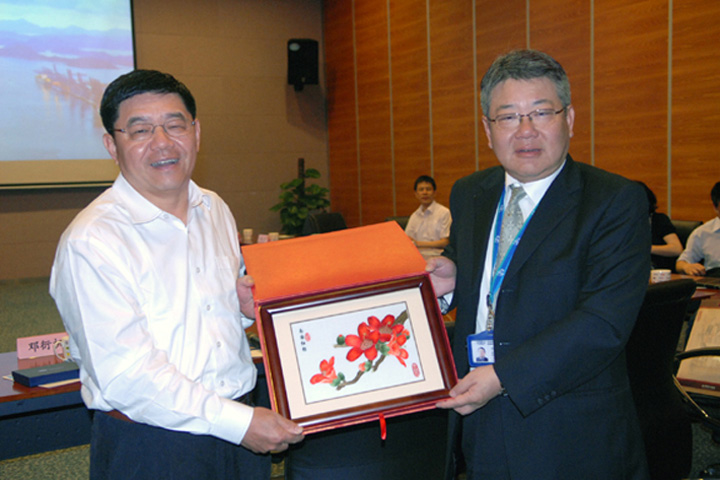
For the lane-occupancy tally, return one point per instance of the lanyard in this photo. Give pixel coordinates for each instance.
(498, 274)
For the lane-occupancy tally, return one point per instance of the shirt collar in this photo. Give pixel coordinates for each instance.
(534, 190)
(429, 209)
(142, 210)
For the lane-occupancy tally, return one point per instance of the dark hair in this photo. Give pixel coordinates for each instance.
(652, 199)
(425, 179)
(524, 65)
(715, 194)
(135, 83)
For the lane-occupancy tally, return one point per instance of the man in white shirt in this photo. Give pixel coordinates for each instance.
(146, 279)
(703, 245)
(429, 225)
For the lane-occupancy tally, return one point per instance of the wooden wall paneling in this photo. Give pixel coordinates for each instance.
(631, 89)
(373, 90)
(695, 107)
(342, 124)
(500, 27)
(410, 101)
(563, 31)
(627, 72)
(453, 93)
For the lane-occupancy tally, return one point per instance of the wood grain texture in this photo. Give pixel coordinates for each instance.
(373, 93)
(572, 49)
(695, 107)
(501, 27)
(410, 101)
(631, 51)
(453, 93)
(341, 108)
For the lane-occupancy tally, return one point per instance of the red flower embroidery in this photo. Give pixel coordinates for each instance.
(395, 345)
(386, 328)
(396, 349)
(327, 375)
(363, 343)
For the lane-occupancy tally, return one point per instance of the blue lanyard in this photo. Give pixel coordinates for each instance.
(499, 275)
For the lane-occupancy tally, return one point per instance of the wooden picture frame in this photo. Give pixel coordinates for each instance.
(356, 354)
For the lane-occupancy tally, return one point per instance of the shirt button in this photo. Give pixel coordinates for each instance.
(197, 269)
(219, 344)
(222, 383)
(208, 307)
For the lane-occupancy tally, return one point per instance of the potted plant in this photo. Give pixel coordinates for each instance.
(299, 199)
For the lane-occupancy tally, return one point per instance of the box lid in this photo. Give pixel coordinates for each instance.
(354, 256)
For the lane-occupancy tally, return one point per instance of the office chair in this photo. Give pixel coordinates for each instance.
(702, 408)
(650, 354)
(323, 222)
(684, 228)
(695, 400)
(401, 220)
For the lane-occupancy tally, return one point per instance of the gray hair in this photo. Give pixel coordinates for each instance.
(524, 65)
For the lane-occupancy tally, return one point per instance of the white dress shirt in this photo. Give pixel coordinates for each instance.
(151, 308)
(429, 225)
(535, 191)
(703, 244)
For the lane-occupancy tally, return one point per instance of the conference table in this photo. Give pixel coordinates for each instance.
(34, 420)
(38, 419)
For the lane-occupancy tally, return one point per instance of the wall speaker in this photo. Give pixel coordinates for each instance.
(302, 62)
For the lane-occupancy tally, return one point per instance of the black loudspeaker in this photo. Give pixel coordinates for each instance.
(302, 62)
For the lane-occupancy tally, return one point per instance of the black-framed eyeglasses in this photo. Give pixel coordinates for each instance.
(539, 118)
(140, 132)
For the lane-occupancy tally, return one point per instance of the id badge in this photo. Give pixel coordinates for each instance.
(481, 348)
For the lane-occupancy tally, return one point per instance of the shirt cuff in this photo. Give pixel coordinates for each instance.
(233, 422)
(445, 302)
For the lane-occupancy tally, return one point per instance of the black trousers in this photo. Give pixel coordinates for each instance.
(122, 450)
(415, 448)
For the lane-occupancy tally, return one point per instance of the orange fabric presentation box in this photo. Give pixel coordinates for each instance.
(349, 327)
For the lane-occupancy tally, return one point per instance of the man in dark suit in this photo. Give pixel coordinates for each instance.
(559, 309)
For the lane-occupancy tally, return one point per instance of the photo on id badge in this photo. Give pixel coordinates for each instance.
(481, 349)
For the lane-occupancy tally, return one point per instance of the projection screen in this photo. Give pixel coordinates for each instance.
(56, 57)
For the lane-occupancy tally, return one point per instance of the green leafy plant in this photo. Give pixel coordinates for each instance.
(299, 199)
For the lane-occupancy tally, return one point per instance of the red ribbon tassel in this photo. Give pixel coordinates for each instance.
(383, 426)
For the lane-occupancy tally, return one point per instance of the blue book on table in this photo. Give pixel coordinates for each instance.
(32, 377)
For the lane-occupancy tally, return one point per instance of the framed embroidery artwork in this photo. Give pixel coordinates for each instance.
(356, 354)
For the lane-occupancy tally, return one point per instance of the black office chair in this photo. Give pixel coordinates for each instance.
(698, 402)
(401, 220)
(650, 354)
(684, 228)
(323, 222)
(702, 408)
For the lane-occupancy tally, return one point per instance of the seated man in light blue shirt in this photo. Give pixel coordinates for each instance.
(429, 225)
(703, 245)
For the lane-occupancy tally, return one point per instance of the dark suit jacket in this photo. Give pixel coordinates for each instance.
(565, 311)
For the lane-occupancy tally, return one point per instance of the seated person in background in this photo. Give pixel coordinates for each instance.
(703, 245)
(429, 225)
(666, 244)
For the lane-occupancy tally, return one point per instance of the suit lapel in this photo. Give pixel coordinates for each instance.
(561, 198)
(485, 202)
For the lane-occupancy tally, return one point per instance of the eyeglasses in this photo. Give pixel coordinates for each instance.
(140, 132)
(539, 118)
